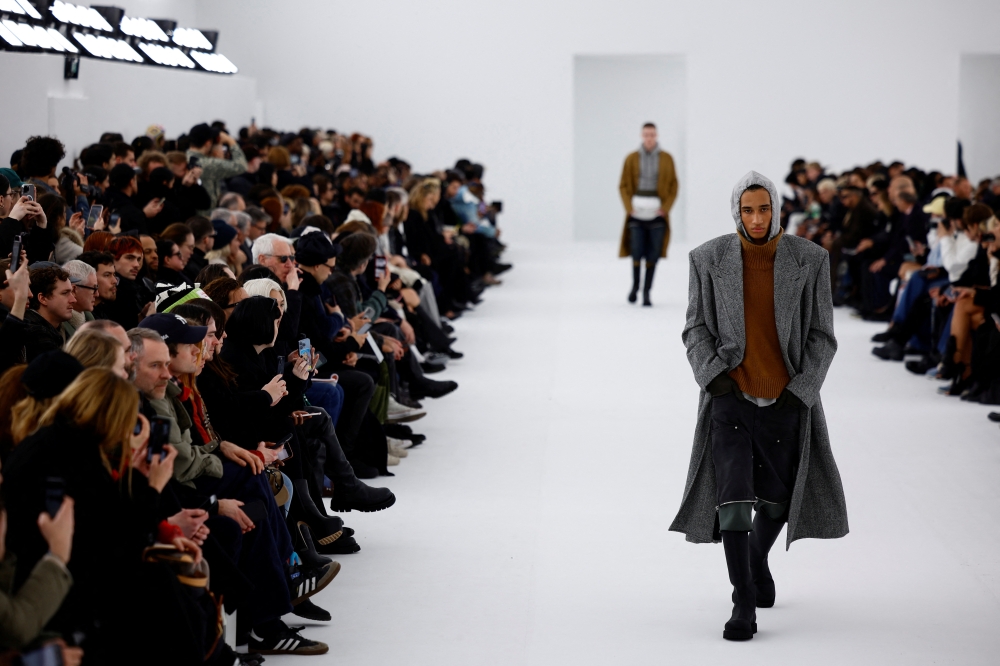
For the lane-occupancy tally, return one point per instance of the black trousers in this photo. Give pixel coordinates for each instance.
(755, 450)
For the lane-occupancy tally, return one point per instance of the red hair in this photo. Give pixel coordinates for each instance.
(123, 245)
(98, 241)
(376, 213)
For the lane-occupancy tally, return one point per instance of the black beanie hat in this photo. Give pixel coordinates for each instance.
(315, 248)
(50, 373)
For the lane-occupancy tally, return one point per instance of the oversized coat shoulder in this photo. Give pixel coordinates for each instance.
(715, 339)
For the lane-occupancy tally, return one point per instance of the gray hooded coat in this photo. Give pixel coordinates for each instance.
(715, 340)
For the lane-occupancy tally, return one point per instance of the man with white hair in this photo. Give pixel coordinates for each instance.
(233, 201)
(84, 280)
(276, 253)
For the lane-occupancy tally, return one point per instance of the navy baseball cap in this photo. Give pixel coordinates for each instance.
(174, 328)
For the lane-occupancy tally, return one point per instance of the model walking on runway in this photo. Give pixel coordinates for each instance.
(648, 188)
(759, 337)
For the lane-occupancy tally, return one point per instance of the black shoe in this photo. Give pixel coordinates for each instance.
(366, 500)
(647, 284)
(923, 365)
(363, 470)
(432, 389)
(310, 611)
(284, 641)
(645, 300)
(743, 623)
(890, 351)
(305, 547)
(303, 583)
(431, 369)
(499, 268)
(994, 416)
(452, 354)
(635, 283)
(884, 336)
(408, 401)
(447, 328)
(343, 545)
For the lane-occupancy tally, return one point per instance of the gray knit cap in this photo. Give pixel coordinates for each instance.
(754, 178)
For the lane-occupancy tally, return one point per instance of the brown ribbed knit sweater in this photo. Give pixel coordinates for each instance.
(762, 372)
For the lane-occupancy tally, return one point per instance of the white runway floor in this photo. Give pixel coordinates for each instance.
(531, 527)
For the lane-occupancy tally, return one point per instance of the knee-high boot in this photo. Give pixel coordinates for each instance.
(765, 533)
(648, 284)
(743, 623)
(635, 282)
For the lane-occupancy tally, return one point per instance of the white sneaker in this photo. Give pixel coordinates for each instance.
(398, 452)
(401, 413)
(401, 444)
(391, 460)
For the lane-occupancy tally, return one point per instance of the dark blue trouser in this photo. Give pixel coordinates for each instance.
(646, 238)
(328, 396)
(263, 552)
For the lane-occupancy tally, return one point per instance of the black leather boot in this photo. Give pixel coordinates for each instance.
(635, 282)
(306, 548)
(765, 533)
(743, 623)
(648, 284)
(349, 492)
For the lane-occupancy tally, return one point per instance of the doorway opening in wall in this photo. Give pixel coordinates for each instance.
(613, 96)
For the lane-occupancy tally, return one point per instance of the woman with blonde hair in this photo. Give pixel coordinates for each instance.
(89, 442)
(94, 348)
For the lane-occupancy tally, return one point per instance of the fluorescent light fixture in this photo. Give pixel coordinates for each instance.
(106, 47)
(214, 62)
(59, 41)
(29, 9)
(86, 17)
(22, 7)
(23, 31)
(9, 37)
(144, 28)
(166, 55)
(192, 39)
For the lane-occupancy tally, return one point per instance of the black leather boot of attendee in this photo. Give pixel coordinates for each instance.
(349, 493)
(765, 533)
(635, 283)
(743, 623)
(648, 284)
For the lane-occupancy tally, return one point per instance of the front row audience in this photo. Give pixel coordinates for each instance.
(185, 407)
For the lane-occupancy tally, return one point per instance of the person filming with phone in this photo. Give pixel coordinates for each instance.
(23, 219)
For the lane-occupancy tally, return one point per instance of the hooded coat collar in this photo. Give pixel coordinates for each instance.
(754, 178)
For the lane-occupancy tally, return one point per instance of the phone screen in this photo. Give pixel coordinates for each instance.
(364, 329)
(15, 254)
(379, 267)
(55, 488)
(95, 214)
(283, 453)
(159, 434)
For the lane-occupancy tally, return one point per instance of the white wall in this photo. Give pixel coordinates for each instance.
(842, 82)
(979, 115)
(605, 131)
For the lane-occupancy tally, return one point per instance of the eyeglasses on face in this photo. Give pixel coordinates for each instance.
(83, 286)
(283, 258)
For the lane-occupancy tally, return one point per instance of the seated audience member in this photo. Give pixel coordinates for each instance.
(50, 306)
(203, 233)
(130, 296)
(120, 202)
(181, 234)
(214, 169)
(103, 264)
(24, 218)
(84, 279)
(94, 348)
(171, 264)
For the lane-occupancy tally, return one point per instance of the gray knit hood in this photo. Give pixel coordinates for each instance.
(754, 178)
